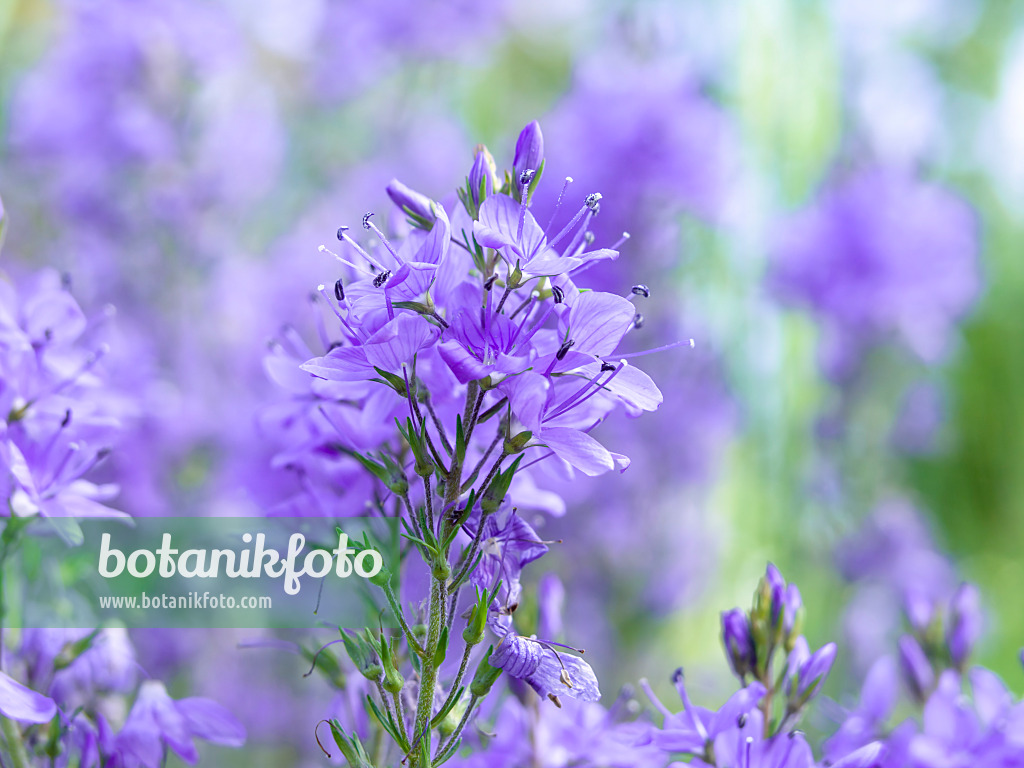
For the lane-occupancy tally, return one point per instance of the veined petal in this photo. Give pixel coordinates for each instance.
(598, 321)
(499, 226)
(465, 367)
(398, 341)
(341, 364)
(579, 449)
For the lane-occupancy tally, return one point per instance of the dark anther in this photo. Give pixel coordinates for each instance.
(558, 294)
(341, 232)
(382, 278)
(638, 320)
(741, 721)
(677, 676)
(605, 367)
(489, 283)
(366, 220)
(642, 290)
(593, 201)
(555, 700)
(564, 349)
(339, 290)
(526, 177)
(67, 419)
(334, 345)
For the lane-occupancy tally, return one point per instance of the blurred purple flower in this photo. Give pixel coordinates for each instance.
(881, 256)
(158, 722)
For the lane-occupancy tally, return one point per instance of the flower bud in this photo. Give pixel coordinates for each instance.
(917, 670)
(483, 176)
(964, 624)
(529, 150)
(739, 645)
(806, 671)
(393, 681)
(485, 676)
(363, 657)
(792, 616)
(474, 631)
(417, 206)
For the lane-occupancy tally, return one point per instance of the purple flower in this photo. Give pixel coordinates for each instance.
(965, 623)
(508, 544)
(158, 722)
(956, 731)
(694, 729)
(739, 645)
(867, 722)
(880, 256)
(917, 670)
(511, 229)
(529, 150)
(549, 672)
(807, 671)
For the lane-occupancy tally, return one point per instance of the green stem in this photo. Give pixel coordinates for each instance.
(458, 679)
(15, 746)
(397, 610)
(445, 751)
(428, 675)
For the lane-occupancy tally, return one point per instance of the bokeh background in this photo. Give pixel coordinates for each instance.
(826, 196)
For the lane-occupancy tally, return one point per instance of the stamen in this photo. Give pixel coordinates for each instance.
(641, 290)
(581, 233)
(689, 342)
(593, 201)
(339, 290)
(569, 227)
(564, 349)
(382, 278)
(367, 224)
(343, 234)
(557, 294)
(620, 241)
(638, 321)
(346, 262)
(575, 399)
(322, 289)
(558, 204)
(539, 324)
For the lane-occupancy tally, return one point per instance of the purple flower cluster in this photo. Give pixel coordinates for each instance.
(880, 257)
(968, 716)
(751, 730)
(476, 296)
(464, 354)
(59, 421)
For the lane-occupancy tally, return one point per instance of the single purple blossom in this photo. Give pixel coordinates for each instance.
(157, 722)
